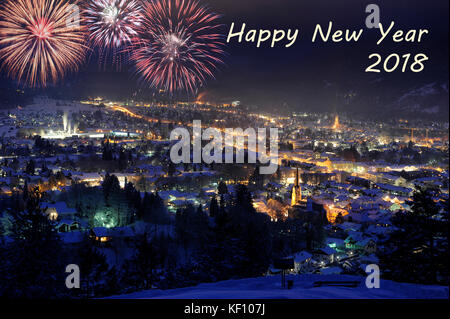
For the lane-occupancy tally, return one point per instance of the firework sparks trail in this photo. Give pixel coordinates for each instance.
(179, 46)
(38, 45)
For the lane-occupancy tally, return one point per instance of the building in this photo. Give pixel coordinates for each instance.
(59, 210)
(67, 225)
(302, 261)
(101, 234)
(296, 191)
(324, 255)
(336, 125)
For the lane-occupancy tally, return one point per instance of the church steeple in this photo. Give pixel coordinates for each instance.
(296, 190)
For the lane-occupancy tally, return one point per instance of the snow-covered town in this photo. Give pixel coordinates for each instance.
(101, 173)
(241, 157)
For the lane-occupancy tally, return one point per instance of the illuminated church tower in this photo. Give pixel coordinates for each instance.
(296, 191)
(336, 125)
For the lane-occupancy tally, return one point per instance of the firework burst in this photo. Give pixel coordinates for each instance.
(112, 23)
(39, 43)
(179, 46)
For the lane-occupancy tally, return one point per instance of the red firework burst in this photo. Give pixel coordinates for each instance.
(179, 45)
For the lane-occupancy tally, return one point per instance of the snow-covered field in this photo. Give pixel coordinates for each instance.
(270, 288)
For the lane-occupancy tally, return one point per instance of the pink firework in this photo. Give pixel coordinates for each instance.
(179, 45)
(112, 23)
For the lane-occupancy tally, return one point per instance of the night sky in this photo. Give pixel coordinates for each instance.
(306, 75)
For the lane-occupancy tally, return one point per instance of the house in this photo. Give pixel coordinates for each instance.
(302, 261)
(91, 179)
(352, 239)
(361, 245)
(58, 210)
(325, 255)
(349, 226)
(431, 182)
(360, 217)
(387, 178)
(67, 225)
(379, 230)
(335, 232)
(104, 235)
(335, 243)
(395, 190)
(101, 234)
(367, 246)
(333, 211)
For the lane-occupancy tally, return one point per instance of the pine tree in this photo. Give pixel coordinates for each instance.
(93, 267)
(123, 160)
(200, 225)
(339, 219)
(182, 228)
(145, 260)
(30, 168)
(417, 251)
(249, 233)
(153, 209)
(35, 257)
(222, 188)
(161, 216)
(171, 169)
(110, 186)
(144, 210)
(25, 192)
(107, 154)
(213, 207)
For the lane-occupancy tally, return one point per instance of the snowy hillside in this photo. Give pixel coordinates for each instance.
(431, 98)
(269, 288)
